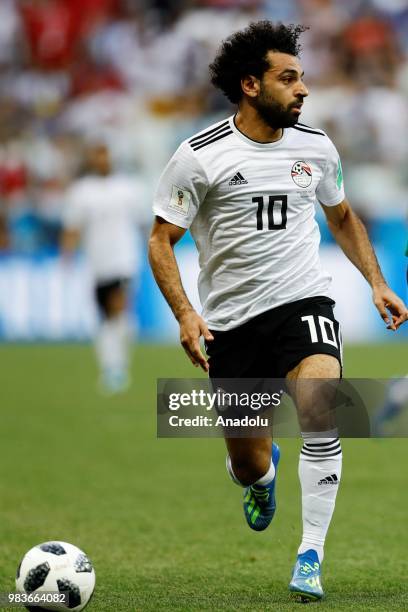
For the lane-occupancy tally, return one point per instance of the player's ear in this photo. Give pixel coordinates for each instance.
(250, 85)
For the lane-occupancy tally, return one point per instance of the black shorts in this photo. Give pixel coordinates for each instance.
(104, 290)
(274, 342)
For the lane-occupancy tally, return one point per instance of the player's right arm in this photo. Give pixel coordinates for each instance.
(165, 269)
(182, 189)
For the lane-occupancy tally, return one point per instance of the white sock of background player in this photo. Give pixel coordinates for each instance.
(320, 465)
(113, 344)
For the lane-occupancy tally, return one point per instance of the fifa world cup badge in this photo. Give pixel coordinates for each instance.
(180, 200)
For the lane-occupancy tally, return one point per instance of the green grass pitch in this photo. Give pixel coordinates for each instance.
(160, 519)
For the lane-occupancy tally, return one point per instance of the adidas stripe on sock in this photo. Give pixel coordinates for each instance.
(317, 449)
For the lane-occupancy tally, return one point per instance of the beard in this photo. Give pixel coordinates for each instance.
(274, 114)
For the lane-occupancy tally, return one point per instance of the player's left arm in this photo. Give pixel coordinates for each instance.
(351, 235)
(69, 241)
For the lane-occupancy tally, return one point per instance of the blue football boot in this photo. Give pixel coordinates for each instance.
(259, 500)
(114, 381)
(305, 583)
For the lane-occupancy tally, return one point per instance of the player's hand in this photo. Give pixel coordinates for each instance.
(391, 308)
(192, 327)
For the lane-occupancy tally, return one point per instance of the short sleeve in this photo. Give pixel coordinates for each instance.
(330, 190)
(73, 212)
(182, 188)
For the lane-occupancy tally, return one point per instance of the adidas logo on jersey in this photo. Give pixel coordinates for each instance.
(238, 179)
(329, 480)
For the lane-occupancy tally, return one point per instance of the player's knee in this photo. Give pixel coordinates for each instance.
(250, 468)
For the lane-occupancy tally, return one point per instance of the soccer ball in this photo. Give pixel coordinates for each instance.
(56, 567)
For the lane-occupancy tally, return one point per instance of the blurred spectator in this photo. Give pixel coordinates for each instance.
(9, 27)
(370, 50)
(51, 32)
(54, 27)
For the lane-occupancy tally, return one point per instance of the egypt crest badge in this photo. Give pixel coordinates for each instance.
(301, 174)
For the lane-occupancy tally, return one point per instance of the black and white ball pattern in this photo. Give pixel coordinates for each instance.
(57, 567)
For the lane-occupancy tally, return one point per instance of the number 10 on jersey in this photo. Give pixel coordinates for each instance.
(277, 211)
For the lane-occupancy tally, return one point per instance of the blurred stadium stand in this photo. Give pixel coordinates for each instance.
(134, 73)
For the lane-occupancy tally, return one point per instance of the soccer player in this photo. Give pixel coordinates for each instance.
(396, 397)
(104, 209)
(246, 188)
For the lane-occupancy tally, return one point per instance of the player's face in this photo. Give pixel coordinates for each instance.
(281, 91)
(99, 160)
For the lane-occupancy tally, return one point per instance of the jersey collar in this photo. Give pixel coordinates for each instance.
(255, 143)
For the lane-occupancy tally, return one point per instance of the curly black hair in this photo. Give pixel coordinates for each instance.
(245, 53)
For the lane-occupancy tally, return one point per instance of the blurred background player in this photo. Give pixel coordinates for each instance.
(396, 398)
(102, 209)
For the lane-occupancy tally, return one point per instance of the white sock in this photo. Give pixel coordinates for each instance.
(264, 480)
(320, 464)
(113, 343)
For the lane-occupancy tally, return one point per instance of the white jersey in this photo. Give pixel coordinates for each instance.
(106, 210)
(250, 208)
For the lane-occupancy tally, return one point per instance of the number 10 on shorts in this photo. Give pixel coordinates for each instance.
(324, 324)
